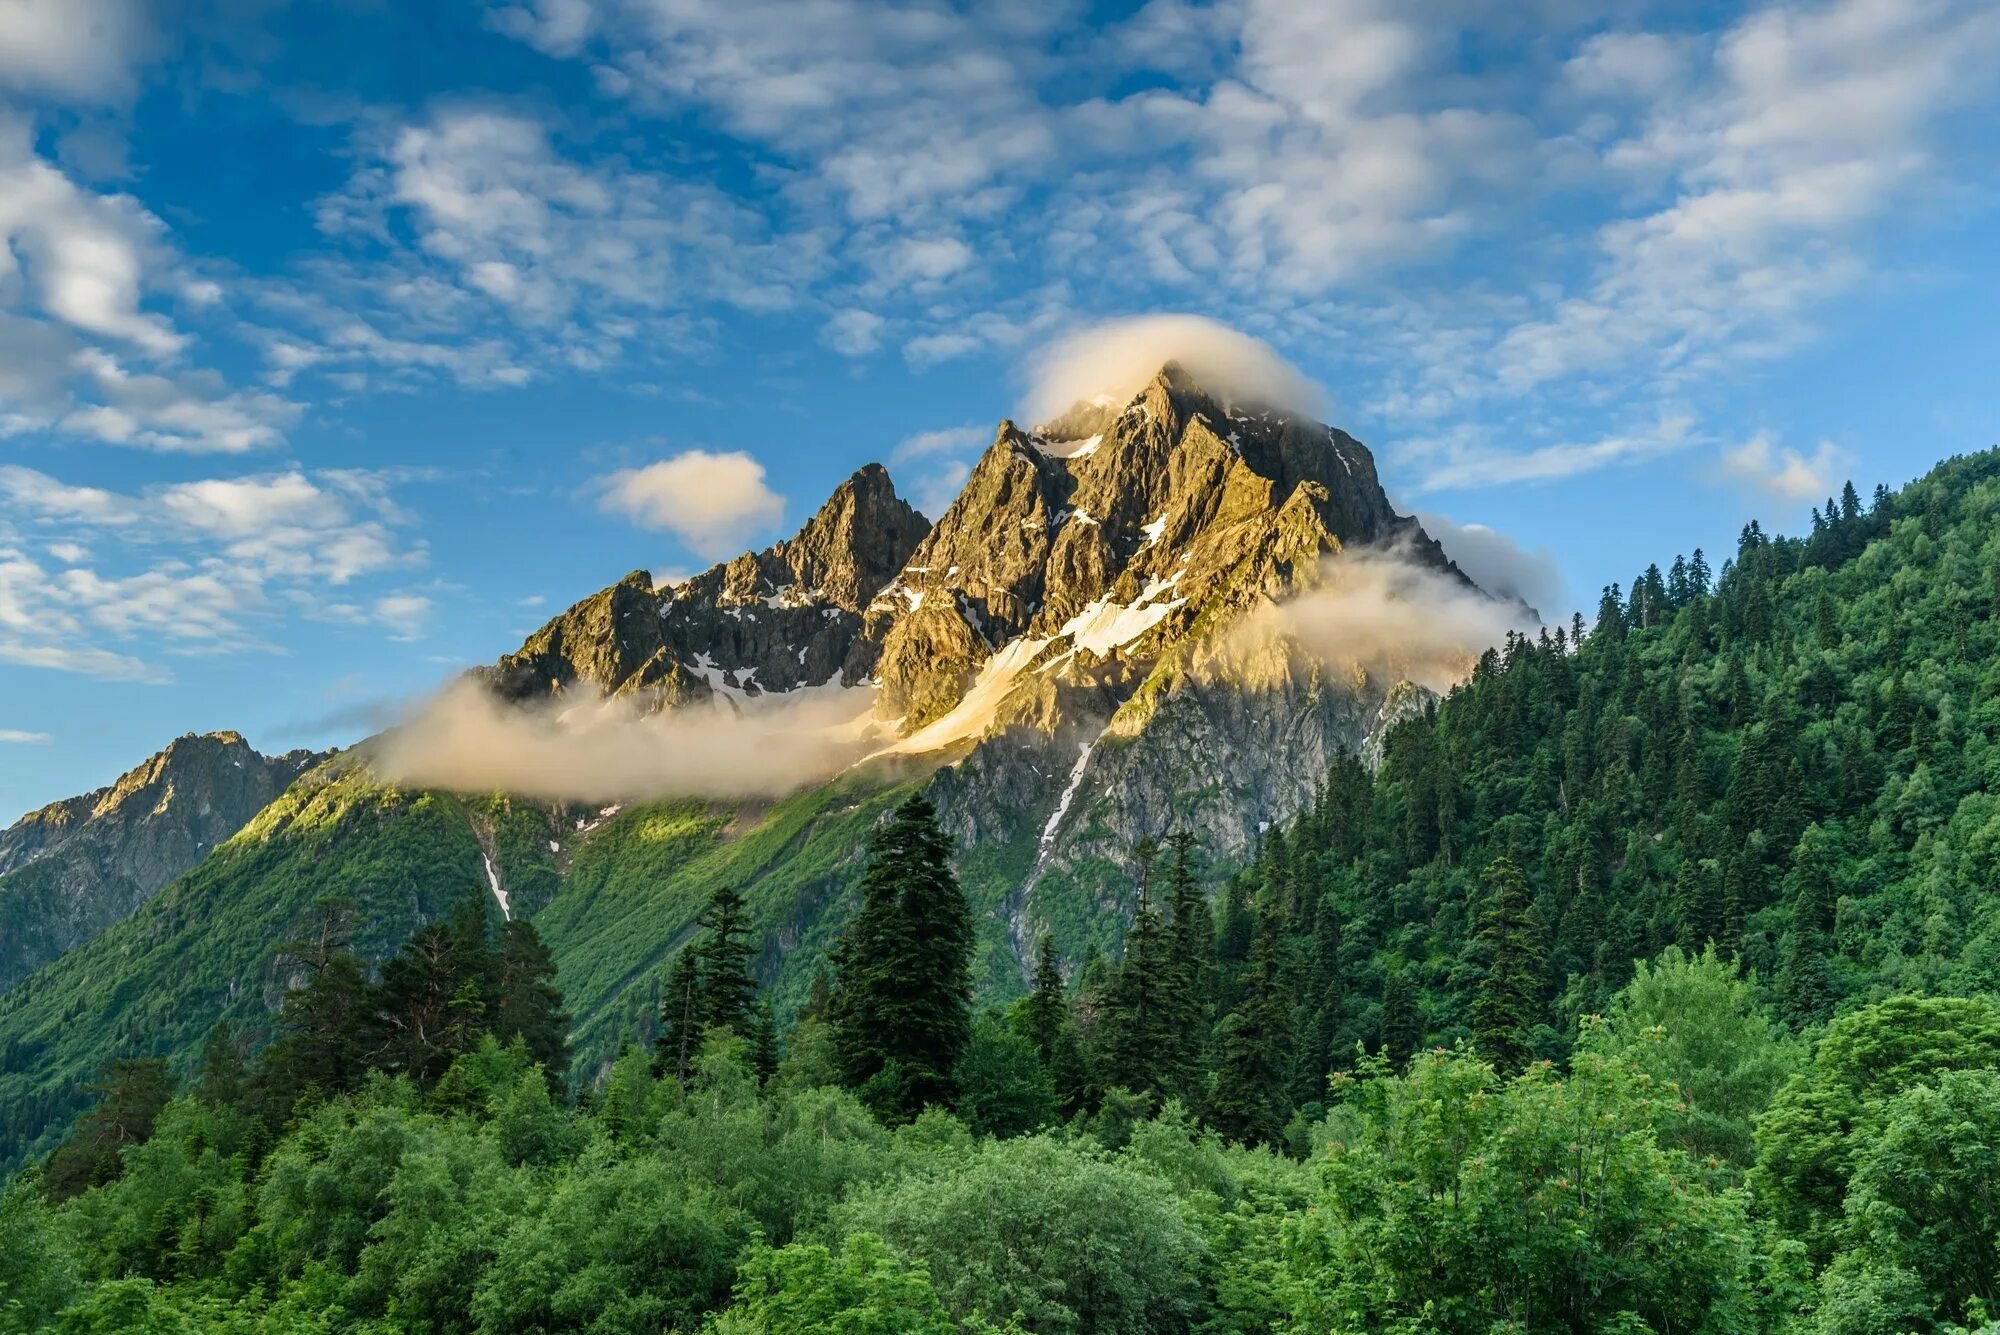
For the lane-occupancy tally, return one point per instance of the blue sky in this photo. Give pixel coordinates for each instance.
(341, 343)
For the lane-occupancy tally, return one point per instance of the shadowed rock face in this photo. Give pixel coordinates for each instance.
(75, 867)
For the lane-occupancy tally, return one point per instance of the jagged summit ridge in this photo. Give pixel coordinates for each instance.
(785, 618)
(1110, 532)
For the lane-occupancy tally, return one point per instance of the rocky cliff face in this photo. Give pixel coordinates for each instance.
(75, 867)
(776, 620)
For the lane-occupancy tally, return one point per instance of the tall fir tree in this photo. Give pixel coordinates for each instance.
(1249, 1101)
(679, 1037)
(437, 994)
(1805, 984)
(728, 990)
(1508, 1004)
(530, 1005)
(901, 1007)
(327, 1030)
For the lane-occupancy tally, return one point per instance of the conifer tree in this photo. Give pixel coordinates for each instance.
(1139, 1019)
(901, 1006)
(1505, 1011)
(1402, 1023)
(220, 1075)
(1192, 948)
(1045, 1010)
(437, 994)
(131, 1092)
(327, 1029)
(679, 1037)
(1324, 1007)
(764, 1056)
(1805, 986)
(728, 991)
(530, 1006)
(1249, 1101)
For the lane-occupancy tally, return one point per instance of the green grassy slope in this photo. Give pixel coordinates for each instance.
(205, 947)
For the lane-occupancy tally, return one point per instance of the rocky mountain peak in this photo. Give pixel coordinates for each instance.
(77, 866)
(778, 620)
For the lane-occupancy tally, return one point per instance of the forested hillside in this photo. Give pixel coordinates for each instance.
(1645, 985)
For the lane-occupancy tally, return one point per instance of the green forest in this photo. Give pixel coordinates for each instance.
(1646, 985)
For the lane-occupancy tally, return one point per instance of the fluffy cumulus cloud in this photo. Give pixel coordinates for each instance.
(194, 567)
(85, 347)
(1783, 473)
(715, 503)
(1116, 359)
(75, 50)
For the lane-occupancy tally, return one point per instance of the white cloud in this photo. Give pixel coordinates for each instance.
(944, 440)
(407, 615)
(81, 50)
(1804, 126)
(89, 662)
(557, 27)
(1784, 473)
(77, 273)
(939, 463)
(1476, 462)
(1118, 357)
(527, 257)
(201, 563)
(1498, 564)
(22, 737)
(84, 257)
(712, 502)
(853, 332)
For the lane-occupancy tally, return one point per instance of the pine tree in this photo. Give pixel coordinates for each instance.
(1192, 950)
(901, 1007)
(220, 1075)
(764, 1056)
(1249, 1102)
(679, 1038)
(530, 1005)
(1402, 1023)
(1045, 1010)
(1142, 1011)
(1324, 1008)
(728, 991)
(435, 996)
(327, 1029)
(1507, 1007)
(1044, 1022)
(1805, 985)
(130, 1096)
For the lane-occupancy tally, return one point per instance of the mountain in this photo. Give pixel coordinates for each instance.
(1075, 655)
(75, 867)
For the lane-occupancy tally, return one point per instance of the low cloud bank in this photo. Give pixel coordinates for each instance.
(1498, 564)
(1400, 620)
(1118, 357)
(585, 748)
